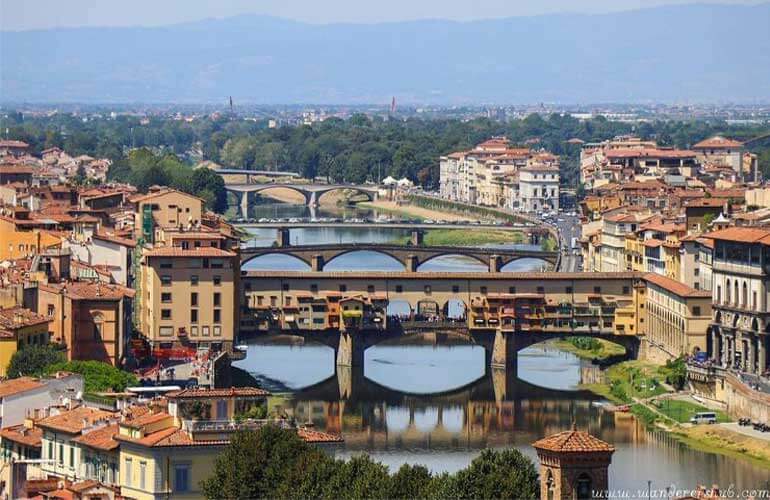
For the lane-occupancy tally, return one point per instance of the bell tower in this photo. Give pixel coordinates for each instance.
(573, 465)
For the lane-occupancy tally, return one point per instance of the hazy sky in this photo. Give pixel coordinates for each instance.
(37, 14)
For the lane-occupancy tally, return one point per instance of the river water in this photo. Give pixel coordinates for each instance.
(437, 405)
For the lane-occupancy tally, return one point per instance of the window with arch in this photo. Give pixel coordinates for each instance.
(98, 326)
(745, 296)
(583, 487)
(727, 292)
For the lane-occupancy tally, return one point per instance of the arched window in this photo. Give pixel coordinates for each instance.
(583, 487)
(727, 292)
(550, 485)
(736, 297)
(745, 296)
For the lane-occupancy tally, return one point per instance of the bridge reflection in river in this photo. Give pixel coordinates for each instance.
(445, 430)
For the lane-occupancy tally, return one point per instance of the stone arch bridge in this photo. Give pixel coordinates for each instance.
(317, 256)
(311, 192)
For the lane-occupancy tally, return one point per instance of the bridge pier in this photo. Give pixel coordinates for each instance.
(418, 237)
(284, 237)
(244, 202)
(351, 349)
(312, 199)
(411, 263)
(504, 350)
(495, 264)
(317, 263)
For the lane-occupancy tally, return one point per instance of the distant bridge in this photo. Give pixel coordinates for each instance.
(311, 192)
(412, 256)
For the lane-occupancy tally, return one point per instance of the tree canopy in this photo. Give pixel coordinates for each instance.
(34, 360)
(276, 463)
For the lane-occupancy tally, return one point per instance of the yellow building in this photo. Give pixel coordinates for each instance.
(678, 318)
(189, 296)
(18, 242)
(165, 208)
(20, 327)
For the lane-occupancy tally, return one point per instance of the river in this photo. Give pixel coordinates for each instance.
(437, 406)
(434, 405)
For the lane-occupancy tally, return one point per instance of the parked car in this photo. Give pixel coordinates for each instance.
(704, 417)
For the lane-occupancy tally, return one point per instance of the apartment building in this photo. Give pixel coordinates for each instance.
(721, 151)
(189, 296)
(20, 327)
(538, 188)
(164, 208)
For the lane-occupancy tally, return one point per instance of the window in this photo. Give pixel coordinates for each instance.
(455, 289)
(540, 289)
(285, 287)
(313, 288)
(194, 299)
(370, 288)
(165, 264)
(217, 331)
(181, 478)
(217, 280)
(193, 331)
(511, 289)
(217, 264)
(61, 455)
(98, 330)
(217, 299)
(165, 297)
(205, 331)
(193, 315)
(217, 315)
(50, 451)
(696, 310)
(142, 474)
(166, 331)
(194, 280)
(128, 471)
(626, 290)
(597, 289)
(165, 314)
(51, 310)
(568, 290)
(343, 288)
(427, 289)
(165, 280)
(399, 289)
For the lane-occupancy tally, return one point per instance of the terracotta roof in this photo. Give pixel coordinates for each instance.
(126, 242)
(190, 252)
(102, 438)
(649, 153)
(573, 441)
(143, 419)
(717, 142)
(89, 290)
(17, 385)
(217, 393)
(10, 168)
(14, 318)
(705, 202)
(674, 286)
(741, 234)
(313, 436)
(75, 420)
(653, 243)
(11, 143)
(23, 435)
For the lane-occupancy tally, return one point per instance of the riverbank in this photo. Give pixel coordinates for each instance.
(589, 349)
(413, 211)
(643, 388)
(467, 237)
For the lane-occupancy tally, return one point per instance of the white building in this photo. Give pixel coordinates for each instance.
(538, 188)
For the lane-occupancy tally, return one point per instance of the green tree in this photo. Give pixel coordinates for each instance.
(210, 186)
(34, 360)
(410, 481)
(97, 375)
(495, 474)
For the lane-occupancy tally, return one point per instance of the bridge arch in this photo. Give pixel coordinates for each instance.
(478, 258)
(337, 255)
(323, 192)
(302, 192)
(297, 257)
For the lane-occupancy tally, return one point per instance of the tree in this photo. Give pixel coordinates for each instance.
(34, 360)
(208, 181)
(495, 474)
(98, 376)
(80, 176)
(411, 481)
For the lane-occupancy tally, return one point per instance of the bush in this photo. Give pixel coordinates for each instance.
(677, 375)
(97, 375)
(586, 343)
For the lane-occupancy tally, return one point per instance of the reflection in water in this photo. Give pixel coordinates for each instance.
(387, 412)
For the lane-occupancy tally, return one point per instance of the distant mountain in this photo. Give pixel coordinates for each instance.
(690, 53)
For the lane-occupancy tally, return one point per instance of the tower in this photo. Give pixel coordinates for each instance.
(573, 465)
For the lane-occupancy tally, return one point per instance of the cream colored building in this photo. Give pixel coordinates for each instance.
(189, 296)
(165, 207)
(678, 318)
